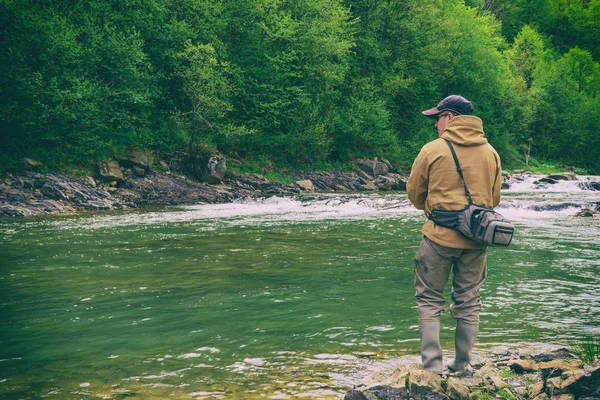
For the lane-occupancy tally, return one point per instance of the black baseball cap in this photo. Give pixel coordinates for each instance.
(456, 104)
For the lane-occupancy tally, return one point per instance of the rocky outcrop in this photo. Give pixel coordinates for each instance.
(135, 157)
(120, 187)
(551, 376)
(111, 171)
(205, 168)
(374, 167)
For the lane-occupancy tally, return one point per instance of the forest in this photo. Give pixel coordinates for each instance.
(295, 84)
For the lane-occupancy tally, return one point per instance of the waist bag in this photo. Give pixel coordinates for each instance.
(482, 224)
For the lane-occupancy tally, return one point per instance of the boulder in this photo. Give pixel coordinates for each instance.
(424, 383)
(373, 167)
(545, 180)
(586, 212)
(391, 181)
(90, 181)
(138, 171)
(386, 393)
(354, 395)
(567, 176)
(306, 185)
(456, 390)
(135, 157)
(536, 389)
(400, 376)
(217, 167)
(209, 169)
(554, 368)
(111, 171)
(521, 366)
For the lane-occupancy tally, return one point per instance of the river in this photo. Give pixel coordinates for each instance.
(284, 297)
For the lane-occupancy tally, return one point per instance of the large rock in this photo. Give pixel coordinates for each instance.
(456, 390)
(424, 383)
(386, 393)
(373, 167)
(135, 157)
(567, 176)
(391, 182)
(521, 366)
(111, 171)
(217, 167)
(209, 169)
(354, 395)
(554, 368)
(306, 185)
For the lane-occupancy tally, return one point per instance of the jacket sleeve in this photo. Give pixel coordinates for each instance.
(497, 182)
(418, 181)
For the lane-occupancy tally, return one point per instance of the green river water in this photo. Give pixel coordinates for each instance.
(269, 298)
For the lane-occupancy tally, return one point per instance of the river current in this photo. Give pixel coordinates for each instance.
(282, 297)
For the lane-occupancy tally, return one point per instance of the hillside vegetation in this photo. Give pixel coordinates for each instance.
(295, 84)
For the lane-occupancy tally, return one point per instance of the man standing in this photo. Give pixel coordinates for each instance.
(434, 183)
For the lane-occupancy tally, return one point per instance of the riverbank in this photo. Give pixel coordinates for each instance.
(37, 194)
(33, 193)
(538, 374)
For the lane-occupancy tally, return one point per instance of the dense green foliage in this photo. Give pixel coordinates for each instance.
(284, 83)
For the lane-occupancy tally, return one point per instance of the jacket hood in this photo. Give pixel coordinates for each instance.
(465, 130)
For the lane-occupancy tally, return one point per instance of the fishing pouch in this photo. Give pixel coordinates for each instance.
(481, 224)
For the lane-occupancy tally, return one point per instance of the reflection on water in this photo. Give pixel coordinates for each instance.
(284, 297)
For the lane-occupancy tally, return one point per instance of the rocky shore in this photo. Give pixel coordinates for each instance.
(132, 183)
(547, 375)
(137, 180)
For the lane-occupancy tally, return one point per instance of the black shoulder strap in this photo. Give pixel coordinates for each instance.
(459, 171)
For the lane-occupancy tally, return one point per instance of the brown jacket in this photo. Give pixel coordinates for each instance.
(434, 182)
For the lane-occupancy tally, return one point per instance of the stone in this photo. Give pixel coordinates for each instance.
(545, 180)
(306, 185)
(373, 167)
(32, 164)
(568, 176)
(588, 382)
(552, 369)
(137, 171)
(566, 383)
(542, 396)
(354, 395)
(90, 181)
(366, 177)
(563, 397)
(586, 212)
(521, 366)
(399, 377)
(456, 390)
(497, 381)
(422, 382)
(135, 157)
(217, 167)
(536, 389)
(111, 171)
(387, 393)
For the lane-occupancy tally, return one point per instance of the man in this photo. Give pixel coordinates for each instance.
(434, 183)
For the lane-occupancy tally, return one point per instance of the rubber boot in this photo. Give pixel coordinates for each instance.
(431, 350)
(464, 339)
